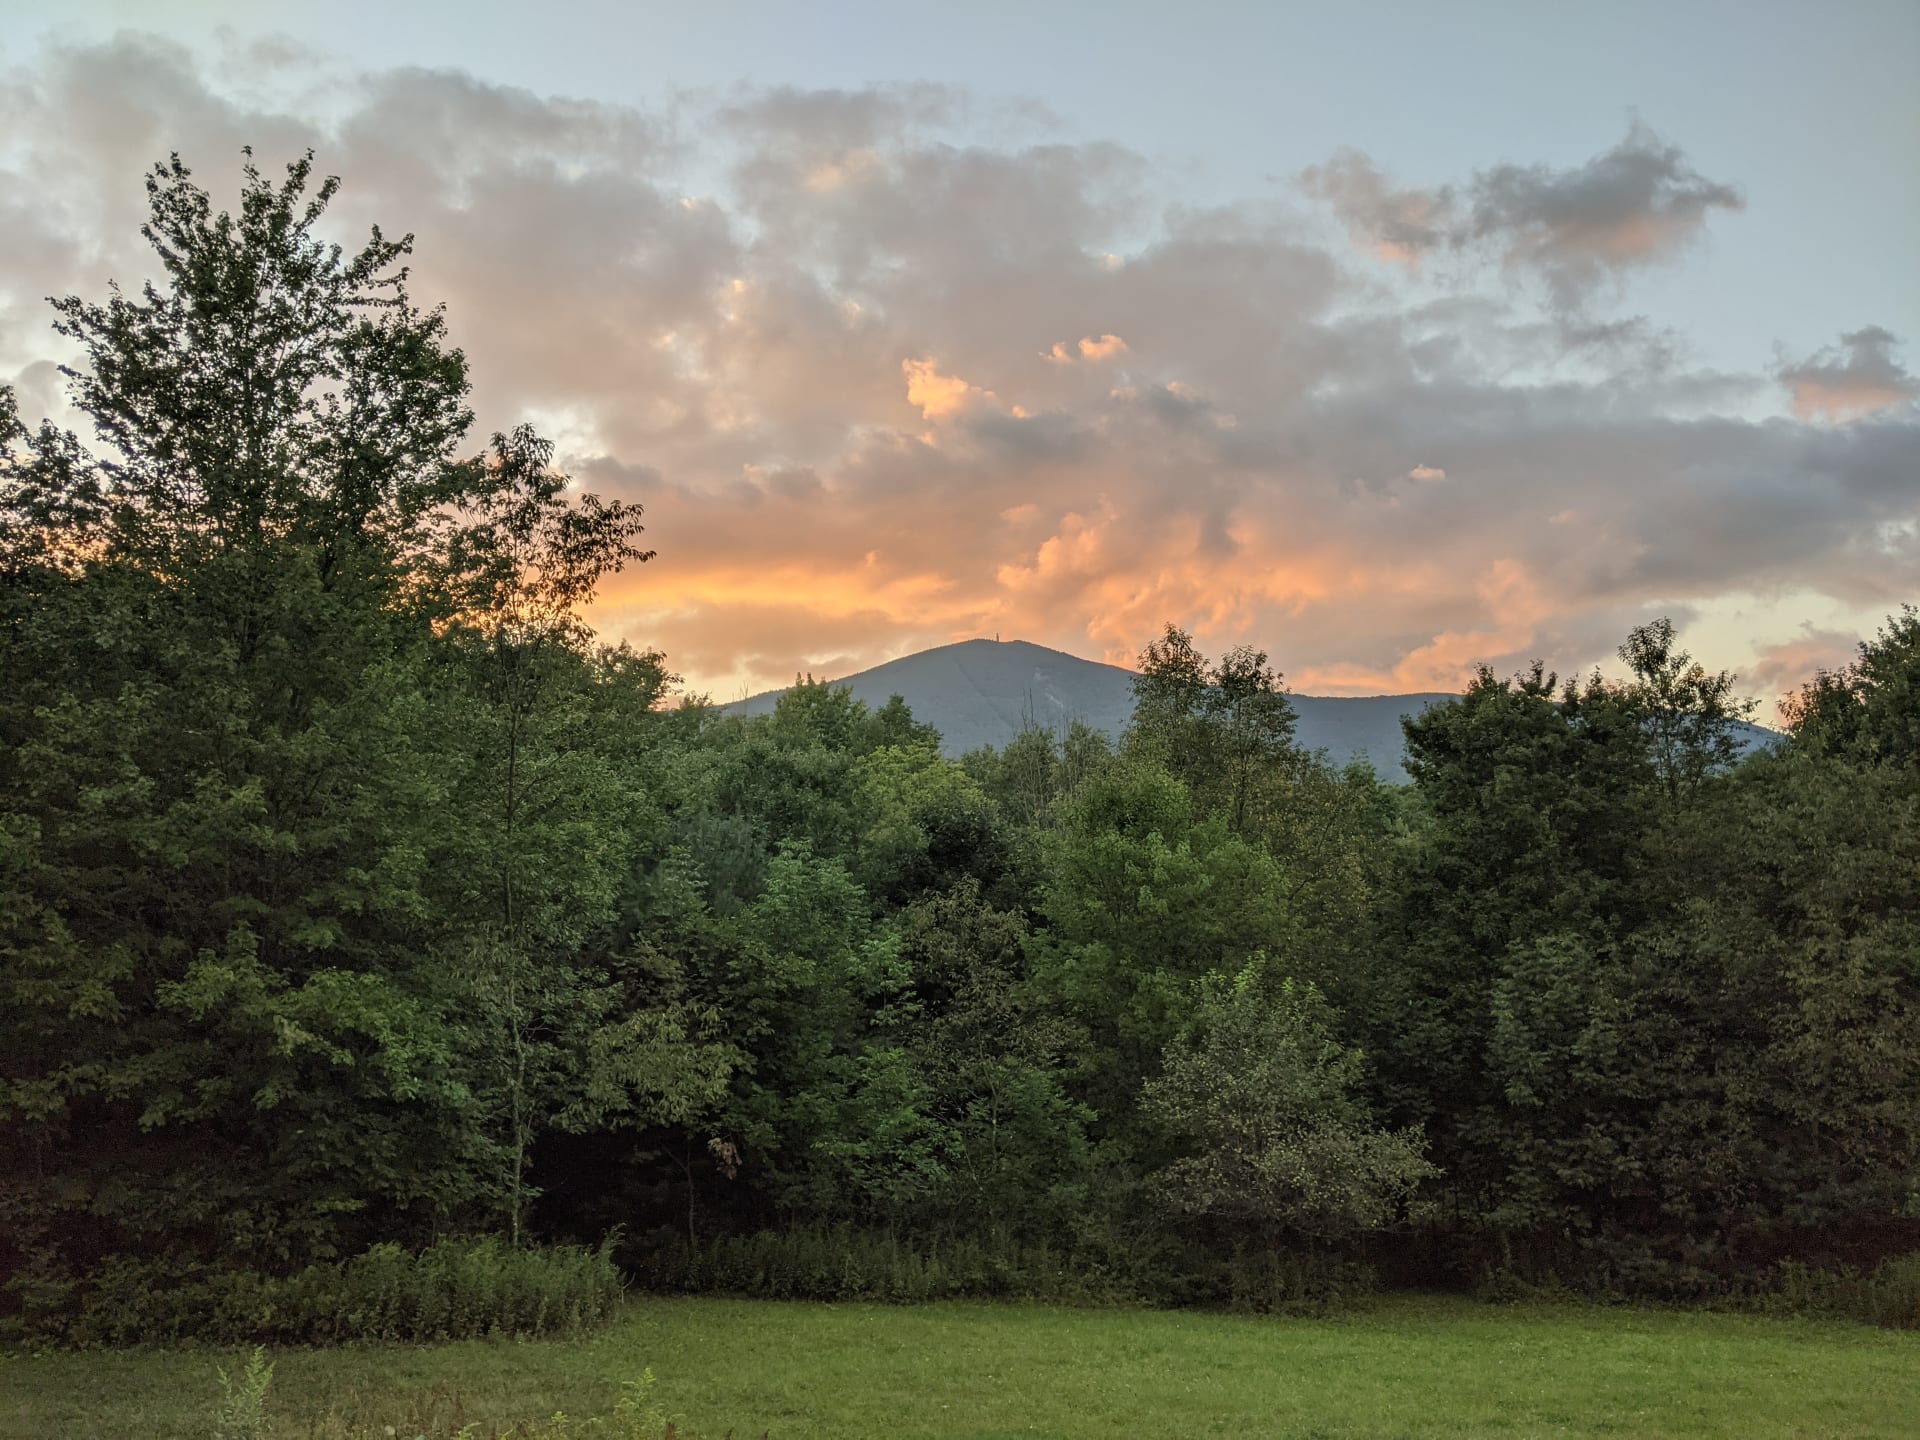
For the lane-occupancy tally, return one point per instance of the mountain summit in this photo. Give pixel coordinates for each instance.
(981, 692)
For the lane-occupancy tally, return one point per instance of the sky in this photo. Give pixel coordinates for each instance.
(1393, 339)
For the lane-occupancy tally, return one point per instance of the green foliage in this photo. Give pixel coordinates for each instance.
(218, 782)
(990, 1053)
(1265, 1104)
(1399, 1365)
(450, 1290)
(1139, 902)
(1887, 1295)
(843, 1263)
(1224, 729)
(1294, 1281)
(243, 1399)
(1687, 713)
(1893, 1294)
(636, 1416)
(316, 799)
(926, 825)
(1866, 711)
(1649, 1004)
(352, 895)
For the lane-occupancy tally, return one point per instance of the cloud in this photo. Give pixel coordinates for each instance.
(937, 395)
(1857, 377)
(1785, 665)
(1638, 204)
(1398, 226)
(864, 368)
(1091, 347)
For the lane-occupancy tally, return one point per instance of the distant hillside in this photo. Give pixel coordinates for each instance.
(980, 692)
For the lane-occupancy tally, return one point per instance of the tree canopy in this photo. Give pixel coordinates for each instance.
(352, 891)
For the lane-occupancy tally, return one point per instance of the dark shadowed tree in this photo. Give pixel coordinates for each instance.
(1868, 710)
(1693, 717)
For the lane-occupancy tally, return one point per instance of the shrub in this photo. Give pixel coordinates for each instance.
(454, 1289)
(1891, 1295)
(848, 1264)
(1294, 1282)
(1888, 1295)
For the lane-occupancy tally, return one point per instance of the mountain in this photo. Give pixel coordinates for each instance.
(980, 692)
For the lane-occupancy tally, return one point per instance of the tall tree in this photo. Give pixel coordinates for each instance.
(222, 775)
(1692, 717)
(1868, 710)
(1504, 921)
(1222, 729)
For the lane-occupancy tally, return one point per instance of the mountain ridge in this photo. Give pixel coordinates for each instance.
(981, 692)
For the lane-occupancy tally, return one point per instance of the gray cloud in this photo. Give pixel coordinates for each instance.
(815, 334)
(1638, 204)
(1403, 226)
(1859, 376)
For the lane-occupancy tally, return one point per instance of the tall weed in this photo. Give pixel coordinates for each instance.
(243, 1399)
(850, 1264)
(454, 1289)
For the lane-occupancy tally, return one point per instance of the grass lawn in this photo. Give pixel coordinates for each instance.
(1404, 1367)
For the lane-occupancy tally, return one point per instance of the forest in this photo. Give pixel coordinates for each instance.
(366, 919)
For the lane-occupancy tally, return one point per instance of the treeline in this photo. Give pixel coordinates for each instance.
(352, 894)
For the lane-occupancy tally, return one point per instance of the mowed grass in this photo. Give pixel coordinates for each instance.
(1402, 1367)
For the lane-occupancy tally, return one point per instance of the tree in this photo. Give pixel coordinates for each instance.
(549, 800)
(926, 824)
(1268, 1107)
(222, 773)
(1222, 729)
(992, 1056)
(1524, 880)
(1140, 901)
(1780, 1013)
(1866, 711)
(519, 557)
(1692, 718)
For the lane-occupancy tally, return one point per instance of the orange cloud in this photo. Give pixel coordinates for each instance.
(1783, 667)
(1824, 400)
(734, 361)
(1513, 604)
(1093, 348)
(938, 396)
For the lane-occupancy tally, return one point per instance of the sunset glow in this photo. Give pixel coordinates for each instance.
(890, 368)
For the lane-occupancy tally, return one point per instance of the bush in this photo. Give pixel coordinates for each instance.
(1294, 1282)
(454, 1289)
(1888, 1295)
(1891, 1295)
(849, 1264)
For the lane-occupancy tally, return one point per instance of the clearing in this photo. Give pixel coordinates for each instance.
(1402, 1367)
